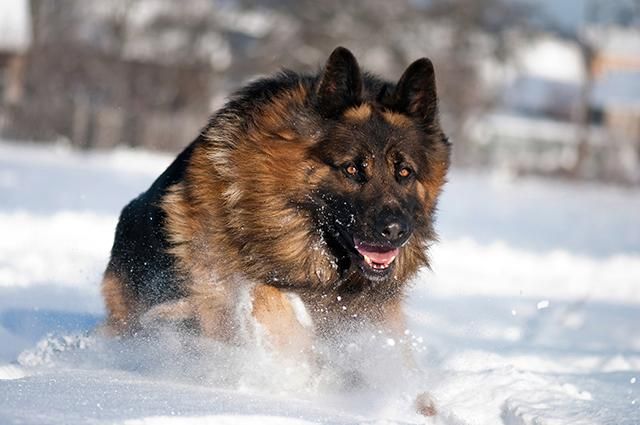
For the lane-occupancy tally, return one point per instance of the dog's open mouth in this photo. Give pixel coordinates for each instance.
(374, 259)
(377, 258)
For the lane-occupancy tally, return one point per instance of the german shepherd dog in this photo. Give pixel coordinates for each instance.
(311, 193)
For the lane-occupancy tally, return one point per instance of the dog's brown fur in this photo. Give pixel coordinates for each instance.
(243, 207)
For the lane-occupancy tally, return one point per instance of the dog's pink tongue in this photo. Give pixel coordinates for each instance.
(380, 257)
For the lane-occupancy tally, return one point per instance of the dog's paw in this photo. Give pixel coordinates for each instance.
(425, 405)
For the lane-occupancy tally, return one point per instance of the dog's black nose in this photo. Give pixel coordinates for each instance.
(393, 228)
(393, 231)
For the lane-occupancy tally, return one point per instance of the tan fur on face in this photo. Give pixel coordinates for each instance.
(358, 113)
(433, 186)
(397, 120)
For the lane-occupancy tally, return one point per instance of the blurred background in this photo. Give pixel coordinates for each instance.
(532, 87)
(534, 297)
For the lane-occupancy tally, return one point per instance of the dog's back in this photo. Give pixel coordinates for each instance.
(141, 271)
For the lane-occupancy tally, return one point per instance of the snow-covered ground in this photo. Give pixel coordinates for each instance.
(531, 314)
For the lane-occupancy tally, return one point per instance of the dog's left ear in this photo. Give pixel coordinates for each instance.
(415, 93)
(341, 83)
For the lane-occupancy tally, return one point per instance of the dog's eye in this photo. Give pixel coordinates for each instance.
(351, 169)
(405, 172)
(355, 172)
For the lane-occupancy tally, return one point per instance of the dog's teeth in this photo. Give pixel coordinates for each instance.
(376, 265)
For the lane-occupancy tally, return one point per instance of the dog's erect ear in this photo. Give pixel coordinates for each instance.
(341, 83)
(415, 93)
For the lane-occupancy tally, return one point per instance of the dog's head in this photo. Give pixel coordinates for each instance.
(332, 175)
(384, 160)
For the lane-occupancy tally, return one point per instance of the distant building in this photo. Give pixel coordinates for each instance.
(549, 75)
(539, 126)
(616, 93)
(617, 49)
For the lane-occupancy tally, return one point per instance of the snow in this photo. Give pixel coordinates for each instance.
(529, 315)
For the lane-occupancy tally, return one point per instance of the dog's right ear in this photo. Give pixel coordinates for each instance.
(340, 85)
(415, 93)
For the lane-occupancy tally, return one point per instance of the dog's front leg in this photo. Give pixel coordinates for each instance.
(395, 323)
(286, 329)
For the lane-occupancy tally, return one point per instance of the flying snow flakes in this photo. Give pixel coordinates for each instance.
(543, 304)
